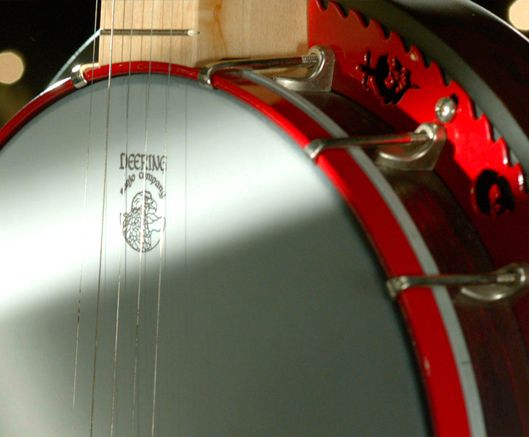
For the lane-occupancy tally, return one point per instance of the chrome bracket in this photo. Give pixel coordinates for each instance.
(319, 77)
(417, 150)
(417, 156)
(77, 75)
(487, 287)
(206, 74)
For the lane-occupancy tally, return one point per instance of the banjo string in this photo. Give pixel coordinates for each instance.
(83, 236)
(142, 223)
(102, 220)
(123, 209)
(162, 236)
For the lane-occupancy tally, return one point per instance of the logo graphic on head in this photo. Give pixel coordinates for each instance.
(388, 79)
(150, 228)
(493, 194)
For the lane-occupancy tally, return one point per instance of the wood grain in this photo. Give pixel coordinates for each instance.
(228, 29)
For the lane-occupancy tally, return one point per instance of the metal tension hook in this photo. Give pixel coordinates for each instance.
(487, 287)
(206, 74)
(420, 149)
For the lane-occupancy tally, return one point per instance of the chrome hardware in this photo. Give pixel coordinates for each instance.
(373, 141)
(421, 148)
(416, 156)
(488, 287)
(445, 109)
(206, 74)
(319, 77)
(77, 74)
(149, 32)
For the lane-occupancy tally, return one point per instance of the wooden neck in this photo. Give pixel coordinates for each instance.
(225, 29)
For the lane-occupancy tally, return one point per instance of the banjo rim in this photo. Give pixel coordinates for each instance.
(435, 353)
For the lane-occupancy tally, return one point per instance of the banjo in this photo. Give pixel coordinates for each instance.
(267, 218)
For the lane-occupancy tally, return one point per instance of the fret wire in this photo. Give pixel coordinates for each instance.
(83, 237)
(154, 32)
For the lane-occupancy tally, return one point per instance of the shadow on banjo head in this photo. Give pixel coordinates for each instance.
(212, 246)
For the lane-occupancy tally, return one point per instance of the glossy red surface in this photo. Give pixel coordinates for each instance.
(359, 47)
(471, 148)
(395, 82)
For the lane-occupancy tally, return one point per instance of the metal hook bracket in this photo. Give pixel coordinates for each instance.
(488, 287)
(319, 77)
(418, 150)
(77, 75)
(314, 60)
(419, 157)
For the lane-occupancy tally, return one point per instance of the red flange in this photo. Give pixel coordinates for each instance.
(377, 71)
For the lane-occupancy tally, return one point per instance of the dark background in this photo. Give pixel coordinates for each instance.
(47, 33)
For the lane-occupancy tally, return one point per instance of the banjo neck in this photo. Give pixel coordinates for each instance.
(195, 32)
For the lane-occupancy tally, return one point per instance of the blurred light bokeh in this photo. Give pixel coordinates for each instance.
(519, 14)
(44, 34)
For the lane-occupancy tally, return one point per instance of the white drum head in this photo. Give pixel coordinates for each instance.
(273, 315)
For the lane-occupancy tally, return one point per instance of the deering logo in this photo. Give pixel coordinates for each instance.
(152, 225)
(143, 221)
(388, 79)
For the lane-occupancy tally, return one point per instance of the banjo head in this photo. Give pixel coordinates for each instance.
(273, 308)
(174, 264)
